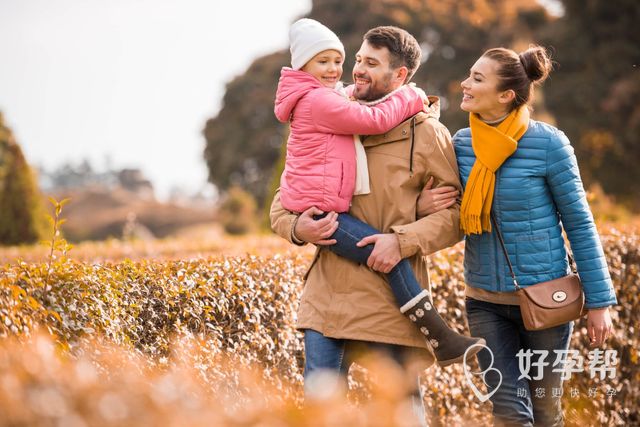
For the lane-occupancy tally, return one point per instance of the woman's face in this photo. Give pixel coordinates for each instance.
(326, 67)
(480, 93)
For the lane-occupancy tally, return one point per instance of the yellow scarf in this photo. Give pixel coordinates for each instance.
(492, 146)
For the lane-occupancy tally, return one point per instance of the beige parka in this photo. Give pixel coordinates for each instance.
(343, 299)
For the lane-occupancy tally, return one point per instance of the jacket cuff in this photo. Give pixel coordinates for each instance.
(601, 304)
(407, 239)
(294, 239)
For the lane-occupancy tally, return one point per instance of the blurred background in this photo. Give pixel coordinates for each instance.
(157, 116)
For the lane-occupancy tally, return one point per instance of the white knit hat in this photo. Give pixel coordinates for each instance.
(308, 38)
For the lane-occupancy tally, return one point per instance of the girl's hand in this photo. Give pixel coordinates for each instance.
(434, 200)
(599, 326)
(419, 91)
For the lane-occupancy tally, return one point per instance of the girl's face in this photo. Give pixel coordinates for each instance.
(326, 67)
(480, 93)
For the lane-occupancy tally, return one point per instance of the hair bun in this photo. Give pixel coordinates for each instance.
(536, 63)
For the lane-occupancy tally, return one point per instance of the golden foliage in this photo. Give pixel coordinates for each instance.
(203, 241)
(213, 341)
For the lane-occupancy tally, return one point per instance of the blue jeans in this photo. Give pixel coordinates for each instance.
(402, 281)
(336, 355)
(519, 402)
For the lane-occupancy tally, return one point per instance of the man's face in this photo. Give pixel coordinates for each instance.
(372, 74)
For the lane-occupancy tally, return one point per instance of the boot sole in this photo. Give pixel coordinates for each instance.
(460, 358)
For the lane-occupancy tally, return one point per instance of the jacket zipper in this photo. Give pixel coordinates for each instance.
(413, 132)
(496, 251)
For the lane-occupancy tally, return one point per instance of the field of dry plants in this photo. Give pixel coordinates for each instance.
(189, 332)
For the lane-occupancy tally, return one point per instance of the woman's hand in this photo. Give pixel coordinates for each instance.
(434, 200)
(599, 326)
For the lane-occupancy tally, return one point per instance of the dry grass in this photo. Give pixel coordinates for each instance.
(195, 242)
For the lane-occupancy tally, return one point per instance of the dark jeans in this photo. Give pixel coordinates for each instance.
(402, 281)
(518, 402)
(324, 354)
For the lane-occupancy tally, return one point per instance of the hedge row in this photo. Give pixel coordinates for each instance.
(219, 314)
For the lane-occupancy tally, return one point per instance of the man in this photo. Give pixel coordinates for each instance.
(346, 307)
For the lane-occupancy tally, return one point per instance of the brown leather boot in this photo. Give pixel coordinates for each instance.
(448, 345)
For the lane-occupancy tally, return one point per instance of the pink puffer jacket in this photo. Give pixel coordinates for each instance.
(320, 169)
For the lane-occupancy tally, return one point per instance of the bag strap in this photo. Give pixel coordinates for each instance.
(504, 250)
(572, 263)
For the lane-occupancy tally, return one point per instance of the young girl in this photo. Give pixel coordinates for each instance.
(325, 165)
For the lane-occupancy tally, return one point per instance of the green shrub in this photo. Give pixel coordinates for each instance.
(22, 218)
(238, 212)
(274, 184)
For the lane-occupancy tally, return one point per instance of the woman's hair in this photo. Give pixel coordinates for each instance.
(519, 72)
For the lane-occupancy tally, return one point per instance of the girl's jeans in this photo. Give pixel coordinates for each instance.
(519, 401)
(403, 282)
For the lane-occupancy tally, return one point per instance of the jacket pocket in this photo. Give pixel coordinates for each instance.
(342, 191)
(347, 180)
(533, 253)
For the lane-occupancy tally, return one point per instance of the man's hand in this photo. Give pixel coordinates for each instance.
(432, 201)
(386, 251)
(317, 232)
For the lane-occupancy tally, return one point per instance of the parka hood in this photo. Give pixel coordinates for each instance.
(292, 86)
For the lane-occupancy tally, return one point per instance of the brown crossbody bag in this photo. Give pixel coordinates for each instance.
(548, 304)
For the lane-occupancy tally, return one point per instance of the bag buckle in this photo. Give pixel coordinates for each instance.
(559, 296)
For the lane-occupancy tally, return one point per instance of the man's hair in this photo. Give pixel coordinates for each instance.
(404, 49)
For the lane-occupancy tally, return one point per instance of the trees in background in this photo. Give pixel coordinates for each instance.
(591, 95)
(22, 218)
(243, 141)
(594, 91)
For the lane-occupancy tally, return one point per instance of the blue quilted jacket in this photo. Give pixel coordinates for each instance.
(538, 191)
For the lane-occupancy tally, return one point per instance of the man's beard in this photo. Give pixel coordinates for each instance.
(373, 93)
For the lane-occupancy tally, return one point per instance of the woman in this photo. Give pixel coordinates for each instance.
(522, 176)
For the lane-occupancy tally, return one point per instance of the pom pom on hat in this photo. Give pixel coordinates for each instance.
(308, 38)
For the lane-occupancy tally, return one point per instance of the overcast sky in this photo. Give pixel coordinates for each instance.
(129, 80)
